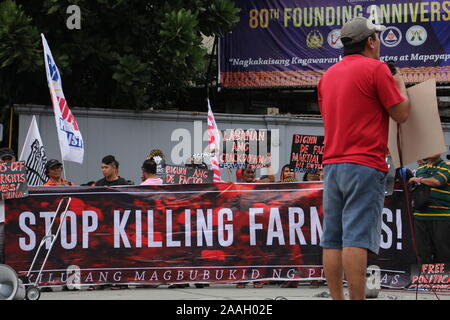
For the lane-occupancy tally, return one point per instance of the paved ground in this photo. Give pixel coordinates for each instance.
(227, 292)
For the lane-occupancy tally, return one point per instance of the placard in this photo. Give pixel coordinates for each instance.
(242, 147)
(306, 153)
(13, 179)
(186, 175)
(421, 135)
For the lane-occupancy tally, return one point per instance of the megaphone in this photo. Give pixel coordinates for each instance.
(11, 287)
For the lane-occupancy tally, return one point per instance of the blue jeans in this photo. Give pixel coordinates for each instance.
(353, 201)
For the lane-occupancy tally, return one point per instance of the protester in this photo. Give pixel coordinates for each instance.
(402, 174)
(6, 154)
(267, 174)
(156, 154)
(419, 163)
(192, 162)
(110, 170)
(314, 176)
(248, 175)
(160, 159)
(432, 223)
(149, 173)
(356, 97)
(287, 174)
(88, 184)
(53, 170)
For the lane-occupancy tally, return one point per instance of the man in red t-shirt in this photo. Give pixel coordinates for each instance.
(356, 97)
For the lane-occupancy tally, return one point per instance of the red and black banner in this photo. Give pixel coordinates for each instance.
(205, 233)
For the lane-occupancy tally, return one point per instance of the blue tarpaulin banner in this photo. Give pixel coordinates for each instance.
(292, 42)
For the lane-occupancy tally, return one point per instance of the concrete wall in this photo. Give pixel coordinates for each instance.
(129, 136)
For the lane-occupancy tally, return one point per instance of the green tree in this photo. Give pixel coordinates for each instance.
(127, 54)
(20, 53)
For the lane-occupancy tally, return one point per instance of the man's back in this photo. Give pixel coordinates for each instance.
(353, 97)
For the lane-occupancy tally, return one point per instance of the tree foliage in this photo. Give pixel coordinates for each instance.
(127, 54)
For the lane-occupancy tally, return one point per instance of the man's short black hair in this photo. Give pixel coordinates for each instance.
(355, 47)
(110, 160)
(149, 166)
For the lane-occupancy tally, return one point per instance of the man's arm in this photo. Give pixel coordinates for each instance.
(431, 182)
(400, 111)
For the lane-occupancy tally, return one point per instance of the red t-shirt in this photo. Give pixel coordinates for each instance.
(354, 95)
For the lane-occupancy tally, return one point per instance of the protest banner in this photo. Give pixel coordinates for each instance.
(13, 179)
(242, 147)
(290, 43)
(306, 153)
(210, 233)
(186, 175)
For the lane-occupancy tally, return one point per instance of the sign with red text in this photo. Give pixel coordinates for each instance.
(13, 179)
(242, 147)
(186, 175)
(212, 233)
(306, 153)
(435, 277)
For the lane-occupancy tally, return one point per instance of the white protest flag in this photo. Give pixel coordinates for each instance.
(69, 135)
(33, 153)
(214, 144)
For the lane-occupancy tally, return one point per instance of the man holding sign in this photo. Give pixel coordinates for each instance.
(356, 97)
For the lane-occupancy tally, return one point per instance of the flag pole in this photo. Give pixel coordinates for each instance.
(64, 167)
(60, 149)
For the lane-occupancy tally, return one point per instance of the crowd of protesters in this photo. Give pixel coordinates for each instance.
(150, 176)
(432, 171)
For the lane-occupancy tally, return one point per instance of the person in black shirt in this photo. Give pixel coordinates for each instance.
(110, 170)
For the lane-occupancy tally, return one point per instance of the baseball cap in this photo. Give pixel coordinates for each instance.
(6, 153)
(358, 29)
(51, 163)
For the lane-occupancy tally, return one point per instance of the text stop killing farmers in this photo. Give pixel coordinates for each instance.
(191, 227)
(138, 228)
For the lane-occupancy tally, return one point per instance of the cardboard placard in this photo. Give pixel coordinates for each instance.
(242, 147)
(13, 179)
(306, 153)
(186, 175)
(421, 136)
